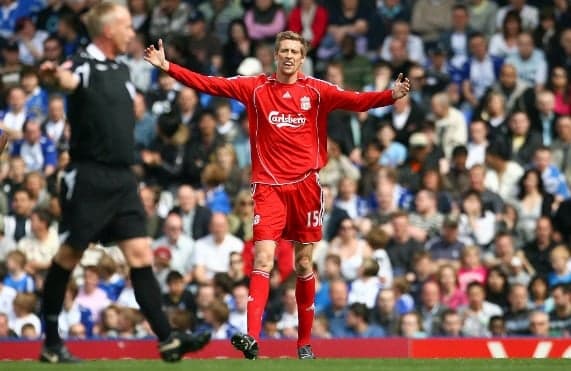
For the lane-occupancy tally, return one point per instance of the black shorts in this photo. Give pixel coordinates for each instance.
(100, 204)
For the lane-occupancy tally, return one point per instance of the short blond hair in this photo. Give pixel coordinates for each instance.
(100, 16)
(290, 35)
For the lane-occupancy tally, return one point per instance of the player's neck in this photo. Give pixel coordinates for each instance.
(106, 48)
(286, 79)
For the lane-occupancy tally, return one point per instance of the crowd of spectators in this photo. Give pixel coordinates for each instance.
(446, 214)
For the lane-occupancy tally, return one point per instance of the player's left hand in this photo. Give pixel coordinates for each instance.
(401, 87)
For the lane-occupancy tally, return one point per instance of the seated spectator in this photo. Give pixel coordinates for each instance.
(497, 287)
(15, 114)
(357, 68)
(177, 297)
(36, 96)
(401, 247)
(345, 17)
(377, 239)
(111, 281)
(521, 140)
(17, 223)
(162, 265)
(29, 332)
(553, 179)
(561, 270)
(538, 251)
(168, 19)
(478, 313)
(410, 326)
(517, 315)
(559, 85)
(560, 316)
(351, 248)
(544, 117)
(434, 181)
(90, 296)
(560, 147)
(349, 200)
(336, 312)
(237, 317)
(288, 322)
(17, 277)
(393, 153)
(455, 38)
(446, 248)
(539, 324)
(43, 243)
(430, 307)
(6, 332)
(358, 324)
(237, 48)
(195, 218)
(482, 16)
(528, 13)
(216, 316)
(236, 271)
(471, 267)
(529, 62)
(497, 327)
(212, 252)
(384, 313)
(73, 314)
(180, 245)
(451, 324)
(240, 219)
(479, 72)
(491, 200)
(39, 152)
(225, 157)
(494, 116)
(504, 43)
(309, 19)
(338, 165)
(451, 295)
(430, 19)
(216, 197)
(365, 288)
(413, 45)
(539, 294)
(24, 307)
(54, 125)
(108, 327)
(502, 174)
(425, 221)
(476, 224)
(264, 20)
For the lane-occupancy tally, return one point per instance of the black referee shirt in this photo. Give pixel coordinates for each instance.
(100, 110)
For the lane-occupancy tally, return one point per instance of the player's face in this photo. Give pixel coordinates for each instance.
(122, 31)
(289, 57)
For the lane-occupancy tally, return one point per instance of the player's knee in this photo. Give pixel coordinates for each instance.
(67, 257)
(264, 261)
(138, 252)
(303, 264)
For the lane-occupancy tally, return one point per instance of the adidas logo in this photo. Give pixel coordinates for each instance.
(286, 95)
(310, 308)
(250, 298)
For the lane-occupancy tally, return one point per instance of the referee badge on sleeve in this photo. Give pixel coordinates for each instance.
(131, 89)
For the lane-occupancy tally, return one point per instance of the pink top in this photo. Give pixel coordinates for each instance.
(467, 275)
(562, 104)
(456, 300)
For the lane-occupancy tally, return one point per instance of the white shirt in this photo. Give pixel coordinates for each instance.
(506, 184)
(365, 290)
(482, 76)
(499, 48)
(213, 257)
(414, 47)
(7, 295)
(67, 319)
(16, 324)
(54, 130)
(529, 17)
(37, 42)
(239, 320)
(182, 252)
(15, 121)
(476, 154)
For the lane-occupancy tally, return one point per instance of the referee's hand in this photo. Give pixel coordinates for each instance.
(156, 57)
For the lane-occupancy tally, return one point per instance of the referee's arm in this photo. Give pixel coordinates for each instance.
(59, 75)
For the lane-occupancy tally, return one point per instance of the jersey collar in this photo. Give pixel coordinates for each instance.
(95, 52)
(300, 76)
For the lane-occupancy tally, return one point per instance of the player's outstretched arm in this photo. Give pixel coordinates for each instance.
(237, 88)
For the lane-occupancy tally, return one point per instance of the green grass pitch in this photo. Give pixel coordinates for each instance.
(316, 365)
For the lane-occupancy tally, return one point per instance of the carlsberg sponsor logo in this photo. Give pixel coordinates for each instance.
(282, 120)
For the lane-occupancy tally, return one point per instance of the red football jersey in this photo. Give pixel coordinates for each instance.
(288, 122)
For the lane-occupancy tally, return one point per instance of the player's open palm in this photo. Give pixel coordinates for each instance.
(156, 56)
(401, 87)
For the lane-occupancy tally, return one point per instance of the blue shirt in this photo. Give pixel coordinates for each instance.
(554, 182)
(554, 279)
(112, 288)
(22, 285)
(36, 156)
(393, 156)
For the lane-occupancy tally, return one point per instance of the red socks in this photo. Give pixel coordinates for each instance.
(305, 297)
(259, 291)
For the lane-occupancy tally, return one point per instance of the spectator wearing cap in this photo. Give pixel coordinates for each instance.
(451, 128)
(204, 45)
(39, 152)
(15, 115)
(455, 39)
(502, 175)
(168, 19)
(446, 248)
(162, 265)
(180, 245)
(220, 14)
(482, 16)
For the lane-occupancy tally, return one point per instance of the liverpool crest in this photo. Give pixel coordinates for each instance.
(305, 103)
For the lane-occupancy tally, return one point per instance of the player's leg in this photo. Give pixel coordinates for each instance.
(304, 222)
(269, 221)
(305, 297)
(57, 278)
(139, 257)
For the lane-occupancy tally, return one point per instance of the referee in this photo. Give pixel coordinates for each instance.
(99, 195)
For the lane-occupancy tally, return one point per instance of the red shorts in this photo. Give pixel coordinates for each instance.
(293, 211)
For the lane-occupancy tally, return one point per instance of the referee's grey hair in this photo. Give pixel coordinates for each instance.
(99, 16)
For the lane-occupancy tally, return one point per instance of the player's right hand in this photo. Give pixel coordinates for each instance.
(156, 57)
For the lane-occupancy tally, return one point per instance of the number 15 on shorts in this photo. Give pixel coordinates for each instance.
(314, 218)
